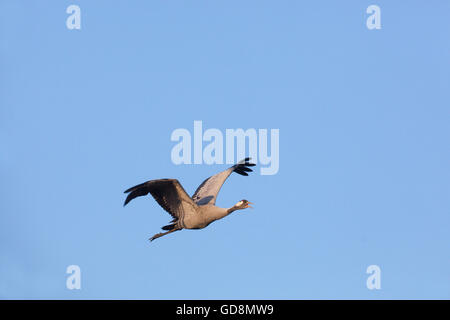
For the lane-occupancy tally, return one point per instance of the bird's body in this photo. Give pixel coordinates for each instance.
(190, 213)
(205, 215)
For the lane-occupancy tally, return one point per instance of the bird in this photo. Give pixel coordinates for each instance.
(195, 212)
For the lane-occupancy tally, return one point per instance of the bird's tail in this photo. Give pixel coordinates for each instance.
(169, 226)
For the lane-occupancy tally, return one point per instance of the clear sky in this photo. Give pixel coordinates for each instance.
(364, 175)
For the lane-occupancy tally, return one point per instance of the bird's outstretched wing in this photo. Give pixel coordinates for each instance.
(169, 194)
(207, 192)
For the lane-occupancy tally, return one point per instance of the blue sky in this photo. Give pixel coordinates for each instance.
(364, 174)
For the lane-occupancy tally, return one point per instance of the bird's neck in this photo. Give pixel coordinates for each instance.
(220, 213)
(230, 210)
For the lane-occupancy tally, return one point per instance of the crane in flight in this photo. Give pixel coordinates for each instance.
(191, 213)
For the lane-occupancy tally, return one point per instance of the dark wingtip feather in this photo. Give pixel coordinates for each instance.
(127, 200)
(241, 172)
(137, 187)
(137, 191)
(246, 160)
(242, 167)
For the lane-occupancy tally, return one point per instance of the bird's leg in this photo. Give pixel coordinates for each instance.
(156, 236)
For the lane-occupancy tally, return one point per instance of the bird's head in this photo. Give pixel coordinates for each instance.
(243, 204)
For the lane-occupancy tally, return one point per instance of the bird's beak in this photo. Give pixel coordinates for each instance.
(249, 205)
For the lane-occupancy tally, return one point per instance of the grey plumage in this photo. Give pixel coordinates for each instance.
(191, 213)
